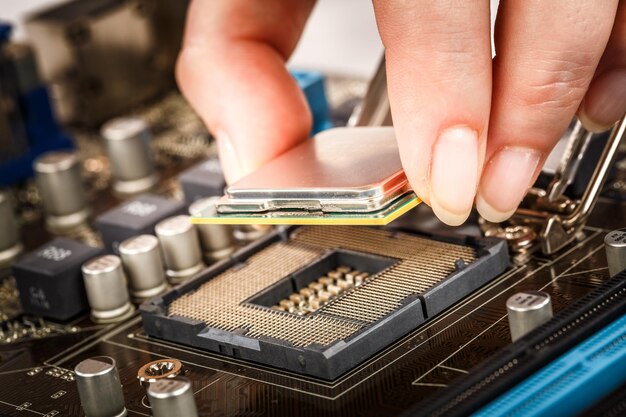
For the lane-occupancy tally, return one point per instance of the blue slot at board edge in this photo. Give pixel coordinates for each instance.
(572, 383)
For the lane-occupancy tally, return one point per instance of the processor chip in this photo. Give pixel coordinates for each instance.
(348, 176)
(319, 301)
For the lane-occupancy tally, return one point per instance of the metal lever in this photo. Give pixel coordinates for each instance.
(579, 139)
(558, 223)
(374, 110)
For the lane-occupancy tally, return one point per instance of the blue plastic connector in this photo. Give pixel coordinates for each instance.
(572, 383)
(43, 133)
(312, 84)
(5, 32)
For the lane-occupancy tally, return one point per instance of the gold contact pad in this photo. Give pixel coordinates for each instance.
(322, 291)
(221, 302)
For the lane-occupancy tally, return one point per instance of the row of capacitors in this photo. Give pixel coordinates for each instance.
(127, 144)
(58, 174)
(148, 263)
(101, 395)
(149, 240)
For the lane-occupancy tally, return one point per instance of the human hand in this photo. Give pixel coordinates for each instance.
(469, 128)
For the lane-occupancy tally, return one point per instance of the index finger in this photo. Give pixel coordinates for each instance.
(439, 70)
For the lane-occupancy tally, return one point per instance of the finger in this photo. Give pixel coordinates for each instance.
(605, 101)
(439, 71)
(546, 54)
(232, 70)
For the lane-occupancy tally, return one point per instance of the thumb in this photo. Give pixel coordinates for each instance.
(232, 70)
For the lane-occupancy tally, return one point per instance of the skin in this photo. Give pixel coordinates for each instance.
(470, 129)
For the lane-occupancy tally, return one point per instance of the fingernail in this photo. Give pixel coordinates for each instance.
(605, 102)
(231, 165)
(504, 183)
(454, 174)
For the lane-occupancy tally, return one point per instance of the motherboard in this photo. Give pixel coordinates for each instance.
(113, 303)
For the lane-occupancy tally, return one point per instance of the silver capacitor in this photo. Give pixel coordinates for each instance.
(217, 240)
(105, 284)
(181, 248)
(99, 387)
(141, 256)
(10, 245)
(171, 397)
(528, 310)
(615, 247)
(251, 232)
(58, 177)
(127, 141)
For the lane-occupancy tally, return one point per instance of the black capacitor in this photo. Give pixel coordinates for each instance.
(205, 179)
(135, 217)
(49, 279)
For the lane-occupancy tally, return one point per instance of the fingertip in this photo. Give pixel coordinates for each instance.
(448, 217)
(489, 213)
(605, 101)
(229, 159)
(506, 178)
(454, 173)
(590, 124)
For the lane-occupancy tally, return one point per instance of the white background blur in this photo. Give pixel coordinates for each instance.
(340, 38)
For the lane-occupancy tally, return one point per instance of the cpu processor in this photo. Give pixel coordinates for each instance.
(344, 176)
(319, 301)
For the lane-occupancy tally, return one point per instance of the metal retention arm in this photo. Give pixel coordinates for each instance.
(556, 219)
(374, 110)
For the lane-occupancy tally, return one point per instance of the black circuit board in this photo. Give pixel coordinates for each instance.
(37, 356)
(36, 373)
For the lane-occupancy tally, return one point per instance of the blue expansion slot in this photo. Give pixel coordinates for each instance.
(572, 383)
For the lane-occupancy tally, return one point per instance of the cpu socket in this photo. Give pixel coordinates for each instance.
(319, 300)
